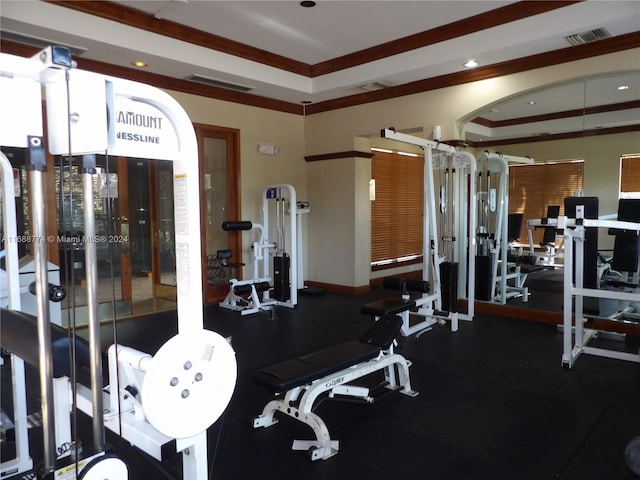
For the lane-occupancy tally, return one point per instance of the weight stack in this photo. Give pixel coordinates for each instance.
(449, 281)
(483, 277)
(281, 283)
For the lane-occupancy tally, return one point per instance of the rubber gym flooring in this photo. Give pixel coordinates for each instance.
(494, 403)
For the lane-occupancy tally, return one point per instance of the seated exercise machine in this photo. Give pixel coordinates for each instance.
(549, 236)
(578, 286)
(403, 305)
(252, 295)
(300, 382)
(519, 266)
(162, 403)
(623, 268)
(446, 264)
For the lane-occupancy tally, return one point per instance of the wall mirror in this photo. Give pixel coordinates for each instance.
(595, 120)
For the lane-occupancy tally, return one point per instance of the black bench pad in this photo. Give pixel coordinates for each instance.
(299, 371)
(526, 268)
(389, 305)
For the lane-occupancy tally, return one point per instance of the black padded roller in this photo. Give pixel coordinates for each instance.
(262, 286)
(237, 225)
(242, 289)
(415, 285)
(393, 283)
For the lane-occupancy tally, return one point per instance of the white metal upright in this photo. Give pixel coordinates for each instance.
(431, 304)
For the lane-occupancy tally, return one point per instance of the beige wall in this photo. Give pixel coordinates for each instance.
(256, 125)
(337, 234)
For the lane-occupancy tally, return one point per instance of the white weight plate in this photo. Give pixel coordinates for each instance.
(189, 383)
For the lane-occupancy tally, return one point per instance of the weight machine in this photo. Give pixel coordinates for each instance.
(446, 265)
(575, 336)
(493, 247)
(187, 384)
(9, 285)
(244, 295)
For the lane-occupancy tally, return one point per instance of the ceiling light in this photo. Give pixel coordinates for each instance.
(532, 102)
(373, 86)
(308, 3)
(139, 64)
(407, 154)
(471, 64)
(623, 87)
(383, 150)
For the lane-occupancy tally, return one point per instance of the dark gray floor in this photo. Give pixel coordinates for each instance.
(494, 403)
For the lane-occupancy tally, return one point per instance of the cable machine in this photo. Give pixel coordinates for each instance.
(186, 385)
(449, 240)
(277, 243)
(493, 231)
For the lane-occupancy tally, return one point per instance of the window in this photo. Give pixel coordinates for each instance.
(397, 211)
(532, 188)
(630, 176)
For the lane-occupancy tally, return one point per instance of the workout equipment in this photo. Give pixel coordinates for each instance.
(548, 239)
(575, 336)
(626, 249)
(303, 380)
(448, 264)
(145, 123)
(10, 286)
(254, 294)
(493, 231)
(400, 306)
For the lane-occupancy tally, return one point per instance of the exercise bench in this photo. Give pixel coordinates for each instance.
(299, 382)
(405, 304)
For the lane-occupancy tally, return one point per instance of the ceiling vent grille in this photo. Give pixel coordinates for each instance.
(588, 36)
(213, 82)
(39, 42)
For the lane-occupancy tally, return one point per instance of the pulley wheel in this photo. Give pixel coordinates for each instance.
(189, 383)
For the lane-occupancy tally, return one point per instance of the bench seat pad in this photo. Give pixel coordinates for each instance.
(302, 370)
(389, 305)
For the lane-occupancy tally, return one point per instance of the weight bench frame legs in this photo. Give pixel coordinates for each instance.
(298, 402)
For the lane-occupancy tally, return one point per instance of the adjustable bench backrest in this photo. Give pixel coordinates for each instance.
(383, 332)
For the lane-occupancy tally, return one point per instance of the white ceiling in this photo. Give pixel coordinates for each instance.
(329, 30)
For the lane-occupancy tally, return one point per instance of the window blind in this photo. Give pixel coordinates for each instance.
(630, 174)
(397, 211)
(532, 188)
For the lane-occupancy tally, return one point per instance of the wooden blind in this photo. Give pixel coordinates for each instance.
(397, 212)
(532, 188)
(630, 174)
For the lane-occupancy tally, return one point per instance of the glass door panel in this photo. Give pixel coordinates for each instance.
(219, 149)
(164, 260)
(109, 241)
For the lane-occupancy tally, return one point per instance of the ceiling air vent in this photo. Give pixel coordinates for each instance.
(39, 42)
(213, 82)
(588, 36)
